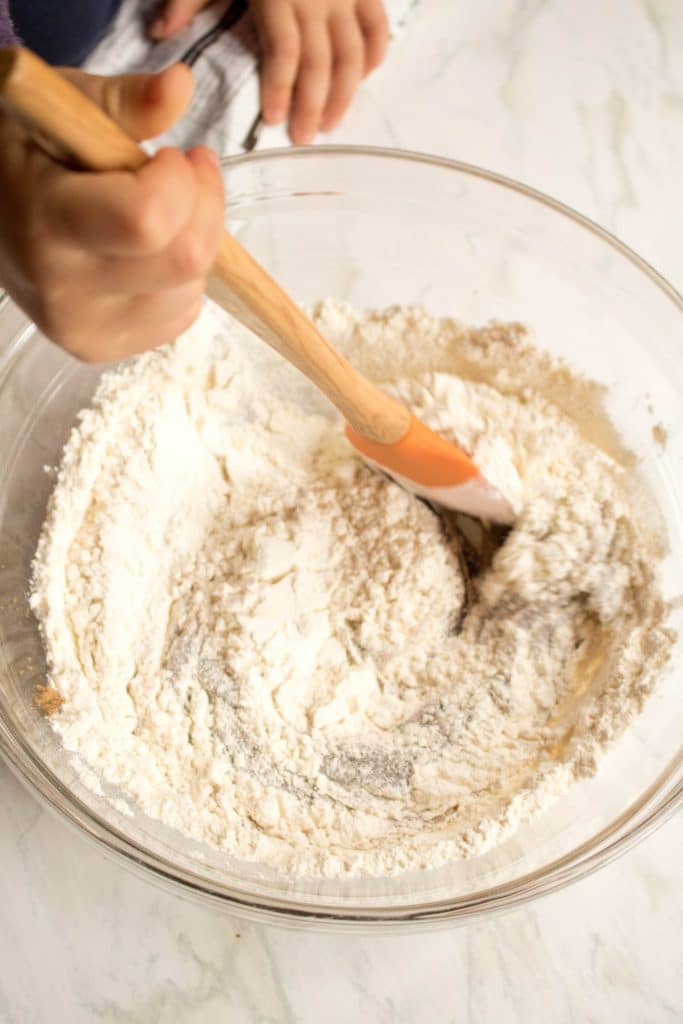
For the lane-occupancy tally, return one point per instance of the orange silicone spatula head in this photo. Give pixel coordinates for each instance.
(434, 468)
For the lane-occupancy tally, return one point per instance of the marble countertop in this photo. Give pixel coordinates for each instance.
(581, 100)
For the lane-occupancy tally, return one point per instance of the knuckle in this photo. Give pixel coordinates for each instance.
(285, 48)
(189, 256)
(145, 224)
(349, 61)
(307, 113)
(314, 64)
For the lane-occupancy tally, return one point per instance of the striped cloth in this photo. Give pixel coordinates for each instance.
(221, 46)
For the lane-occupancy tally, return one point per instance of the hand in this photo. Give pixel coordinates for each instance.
(315, 53)
(108, 265)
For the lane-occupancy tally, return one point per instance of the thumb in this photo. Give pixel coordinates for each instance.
(144, 105)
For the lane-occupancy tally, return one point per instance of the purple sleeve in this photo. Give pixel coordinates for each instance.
(7, 34)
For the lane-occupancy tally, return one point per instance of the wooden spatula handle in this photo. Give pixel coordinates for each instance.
(61, 118)
(240, 285)
(72, 128)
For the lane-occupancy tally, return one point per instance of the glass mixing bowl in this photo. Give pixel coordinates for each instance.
(377, 227)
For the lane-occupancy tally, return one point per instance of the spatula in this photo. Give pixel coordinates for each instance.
(69, 126)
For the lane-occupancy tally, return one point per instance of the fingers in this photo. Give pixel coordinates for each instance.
(347, 68)
(375, 28)
(122, 214)
(280, 44)
(173, 16)
(109, 264)
(134, 252)
(144, 105)
(314, 55)
(190, 254)
(313, 81)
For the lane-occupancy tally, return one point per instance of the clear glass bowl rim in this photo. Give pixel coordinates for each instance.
(639, 820)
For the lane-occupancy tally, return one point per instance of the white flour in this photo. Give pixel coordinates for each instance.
(268, 646)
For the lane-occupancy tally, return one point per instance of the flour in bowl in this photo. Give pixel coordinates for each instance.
(272, 648)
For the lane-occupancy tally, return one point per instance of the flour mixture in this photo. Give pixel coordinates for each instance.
(274, 649)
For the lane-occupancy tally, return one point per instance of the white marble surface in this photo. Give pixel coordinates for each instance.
(583, 100)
